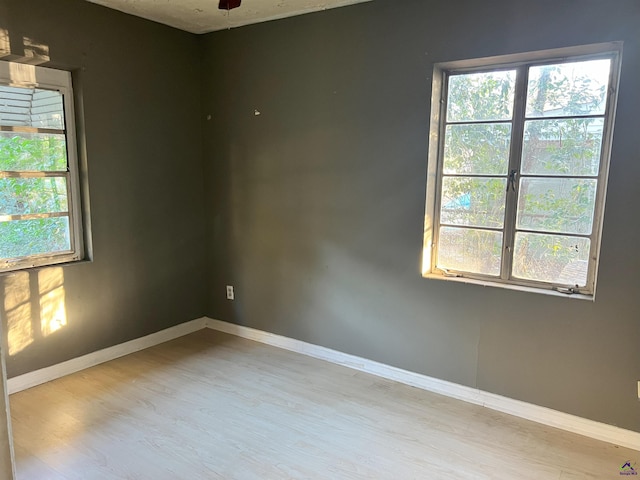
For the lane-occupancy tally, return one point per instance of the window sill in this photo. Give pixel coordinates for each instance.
(509, 286)
(32, 267)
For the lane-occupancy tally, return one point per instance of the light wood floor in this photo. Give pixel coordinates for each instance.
(213, 406)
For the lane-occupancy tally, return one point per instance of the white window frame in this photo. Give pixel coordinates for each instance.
(31, 76)
(520, 62)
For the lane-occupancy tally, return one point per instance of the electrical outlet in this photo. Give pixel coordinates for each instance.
(230, 295)
(638, 389)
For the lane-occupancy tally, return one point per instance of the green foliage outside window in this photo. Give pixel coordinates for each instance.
(28, 195)
(557, 146)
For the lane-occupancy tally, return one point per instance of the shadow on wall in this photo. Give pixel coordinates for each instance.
(5, 45)
(30, 51)
(34, 306)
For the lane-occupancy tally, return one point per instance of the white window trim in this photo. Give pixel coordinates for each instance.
(23, 75)
(612, 50)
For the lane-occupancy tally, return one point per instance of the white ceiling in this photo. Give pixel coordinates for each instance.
(202, 16)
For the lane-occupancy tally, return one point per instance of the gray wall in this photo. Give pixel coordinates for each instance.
(316, 205)
(137, 86)
(314, 208)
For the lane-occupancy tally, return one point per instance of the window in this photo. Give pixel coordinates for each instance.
(39, 194)
(518, 162)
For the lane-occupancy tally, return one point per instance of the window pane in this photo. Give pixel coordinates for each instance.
(557, 259)
(33, 151)
(562, 147)
(563, 205)
(31, 107)
(481, 96)
(32, 237)
(567, 89)
(476, 202)
(481, 149)
(469, 250)
(20, 196)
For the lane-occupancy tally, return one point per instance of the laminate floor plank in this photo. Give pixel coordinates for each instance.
(214, 406)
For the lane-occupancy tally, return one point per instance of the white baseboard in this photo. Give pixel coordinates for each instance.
(38, 377)
(543, 415)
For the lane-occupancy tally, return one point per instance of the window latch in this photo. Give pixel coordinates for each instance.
(448, 273)
(511, 182)
(566, 290)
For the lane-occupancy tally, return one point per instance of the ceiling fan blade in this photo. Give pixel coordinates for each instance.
(229, 4)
